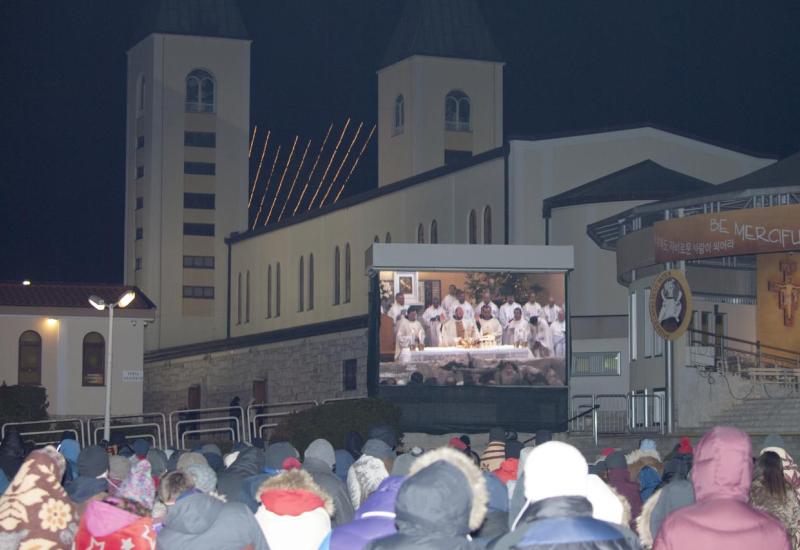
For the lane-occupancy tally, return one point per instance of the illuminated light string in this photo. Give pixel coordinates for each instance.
(341, 165)
(269, 179)
(280, 182)
(252, 141)
(294, 181)
(258, 170)
(353, 167)
(330, 162)
(313, 169)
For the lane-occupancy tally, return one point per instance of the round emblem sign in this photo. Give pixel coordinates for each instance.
(670, 304)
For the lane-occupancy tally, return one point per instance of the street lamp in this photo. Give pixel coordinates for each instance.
(100, 304)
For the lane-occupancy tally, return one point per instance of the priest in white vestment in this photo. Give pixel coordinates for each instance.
(518, 331)
(541, 338)
(432, 319)
(458, 329)
(532, 308)
(551, 311)
(486, 300)
(410, 333)
(490, 326)
(398, 307)
(450, 300)
(466, 307)
(559, 330)
(506, 314)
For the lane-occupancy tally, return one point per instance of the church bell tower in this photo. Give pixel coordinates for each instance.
(188, 118)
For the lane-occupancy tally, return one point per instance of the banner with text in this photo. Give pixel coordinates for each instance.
(734, 233)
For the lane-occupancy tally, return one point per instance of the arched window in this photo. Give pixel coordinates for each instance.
(399, 114)
(457, 112)
(337, 270)
(141, 97)
(278, 289)
(487, 225)
(239, 299)
(301, 285)
(388, 238)
(199, 92)
(30, 359)
(347, 273)
(472, 228)
(247, 297)
(269, 291)
(434, 232)
(420, 233)
(310, 281)
(94, 359)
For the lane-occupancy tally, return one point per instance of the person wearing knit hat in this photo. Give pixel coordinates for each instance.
(215, 461)
(379, 449)
(513, 448)
(210, 448)
(277, 453)
(158, 461)
(507, 470)
(118, 469)
(366, 473)
(319, 459)
(92, 472)
(402, 464)
(203, 476)
(495, 452)
(685, 446)
(457, 444)
(385, 433)
(140, 447)
(187, 459)
(139, 486)
(556, 487)
(619, 479)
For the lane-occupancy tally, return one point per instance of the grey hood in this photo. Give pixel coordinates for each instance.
(193, 514)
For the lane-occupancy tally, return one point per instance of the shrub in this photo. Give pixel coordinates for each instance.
(22, 403)
(333, 420)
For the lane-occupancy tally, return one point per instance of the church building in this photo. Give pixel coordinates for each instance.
(279, 313)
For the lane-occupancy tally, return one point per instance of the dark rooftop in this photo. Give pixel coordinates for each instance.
(220, 18)
(67, 295)
(441, 28)
(644, 181)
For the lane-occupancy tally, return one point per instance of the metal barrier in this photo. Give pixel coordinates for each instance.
(158, 421)
(615, 414)
(192, 417)
(57, 427)
(612, 413)
(256, 413)
(646, 413)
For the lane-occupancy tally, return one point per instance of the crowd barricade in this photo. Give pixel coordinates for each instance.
(47, 432)
(190, 422)
(150, 426)
(616, 414)
(262, 417)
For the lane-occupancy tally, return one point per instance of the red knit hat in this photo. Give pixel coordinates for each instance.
(507, 470)
(291, 463)
(456, 443)
(685, 447)
(607, 451)
(290, 502)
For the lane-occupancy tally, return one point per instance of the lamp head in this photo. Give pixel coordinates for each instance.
(126, 299)
(97, 302)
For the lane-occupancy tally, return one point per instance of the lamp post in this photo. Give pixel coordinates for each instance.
(100, 304)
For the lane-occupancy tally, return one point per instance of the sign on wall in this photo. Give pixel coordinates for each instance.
(132, 376)
(734, 233)
(670, 304)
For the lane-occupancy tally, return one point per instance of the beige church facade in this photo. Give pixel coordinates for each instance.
(280, 313)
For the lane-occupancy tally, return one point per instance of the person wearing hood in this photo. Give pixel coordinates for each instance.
(366, 473)
(231, 481)
(772, 493)
(558, 512)
(118, 469)
(71, 450)
(275, 457)
(495, 452)
(670, 497)
(385, 433)
(439, 505)
(295, 513)
(12, 453)
(721, 519)
(343, 462)
(92, 480)
(35, 512)
(202, 522)
(158, 462)
(319, 460)
(678, 463)
(373, 520)
(645, 467)
(619, 477)
(353, 444)
(496, 522)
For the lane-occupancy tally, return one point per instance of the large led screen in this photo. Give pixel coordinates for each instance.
(472, 328)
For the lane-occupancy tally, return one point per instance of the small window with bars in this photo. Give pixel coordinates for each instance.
(596, 363)
(203, 292)
(199, 262)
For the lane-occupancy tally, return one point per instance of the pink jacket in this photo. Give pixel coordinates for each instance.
(721, 518)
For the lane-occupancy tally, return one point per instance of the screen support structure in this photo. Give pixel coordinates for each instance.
(373, 334)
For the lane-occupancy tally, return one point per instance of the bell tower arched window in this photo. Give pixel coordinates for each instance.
(457, 112)
(487, 225)
(399, 115)
(472, 228)
(434, 232)
(200, 92)
(30, 359)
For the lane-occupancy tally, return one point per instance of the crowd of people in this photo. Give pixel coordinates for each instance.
(378, 495)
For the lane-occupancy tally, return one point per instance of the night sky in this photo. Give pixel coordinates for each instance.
(726, 71)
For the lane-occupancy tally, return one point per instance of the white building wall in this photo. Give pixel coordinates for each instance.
(62, 361)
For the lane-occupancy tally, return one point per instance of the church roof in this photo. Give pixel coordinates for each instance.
(645, 181)
(441, 28)
(220, 18)
(67, 295)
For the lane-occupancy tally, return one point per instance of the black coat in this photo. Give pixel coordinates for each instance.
(12, 453)
(565, 523)
(249, 463)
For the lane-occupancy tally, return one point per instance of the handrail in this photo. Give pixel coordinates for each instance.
(741, 341)
(174, 436)
(579, 415)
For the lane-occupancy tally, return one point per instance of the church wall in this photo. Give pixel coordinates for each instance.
(294, 370)
(448, 199)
